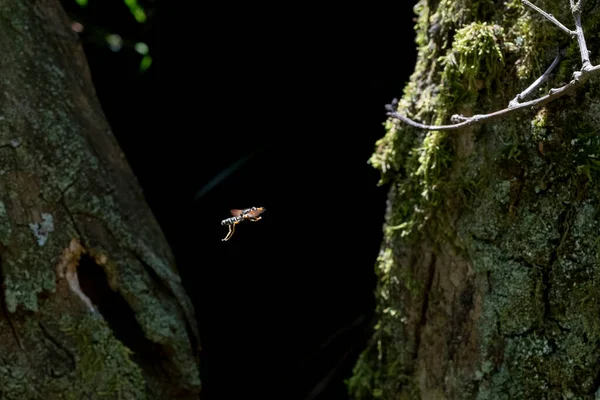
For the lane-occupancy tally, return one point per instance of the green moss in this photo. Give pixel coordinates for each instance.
(538, 125)
(418, 161)
(474, 62)
(364, 377)
(385, 362)
(527, 195)
(421, 10)
(104, 369)
(69, 358)
(472, 65)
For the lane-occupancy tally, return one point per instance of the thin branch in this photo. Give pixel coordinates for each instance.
(550, 17)
(578, 77)
(587, 71)
(585, 54)
(514, 102)
(576, 6)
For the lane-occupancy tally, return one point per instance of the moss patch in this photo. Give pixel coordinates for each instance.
(520, 205)
(104, 369)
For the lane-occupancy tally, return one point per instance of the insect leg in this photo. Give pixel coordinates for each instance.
(230, 233)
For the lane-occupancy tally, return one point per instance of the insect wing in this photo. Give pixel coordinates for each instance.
(256, 213)
(235, 212)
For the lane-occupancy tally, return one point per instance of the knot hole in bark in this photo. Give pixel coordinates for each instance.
(117, 313)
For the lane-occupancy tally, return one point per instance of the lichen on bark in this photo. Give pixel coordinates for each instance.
(489, 266)
(63, 180)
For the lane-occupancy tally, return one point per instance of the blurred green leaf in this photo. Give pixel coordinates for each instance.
(82, 3)
(139, 15)
(115, 42)
(141, 48)
(138, 12)
(145, 63)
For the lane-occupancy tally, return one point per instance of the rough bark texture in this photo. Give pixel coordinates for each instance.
(489, 277)
(70, 207)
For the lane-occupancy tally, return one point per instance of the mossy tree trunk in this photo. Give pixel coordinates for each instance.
(92, 304)
(489, 276)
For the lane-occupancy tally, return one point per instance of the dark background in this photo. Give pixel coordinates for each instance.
(286, 306)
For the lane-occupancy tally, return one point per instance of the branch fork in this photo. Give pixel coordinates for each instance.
(587, 71)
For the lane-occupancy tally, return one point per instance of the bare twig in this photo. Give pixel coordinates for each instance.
(514, 102)
(549, 17)
(585, 54)
(587, 71)
(579, 77)
(576, 6)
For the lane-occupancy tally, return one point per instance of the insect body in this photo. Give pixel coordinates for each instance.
(248, 214)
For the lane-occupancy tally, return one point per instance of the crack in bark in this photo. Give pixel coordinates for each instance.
(596, 384)
(466, 302)
(72, 218)
(520, 334)
(563, 230)
(5, 310)
(515, 195)
(424, 308)
(56, 343)
(10, 323)
(8, 145)
(69, 186)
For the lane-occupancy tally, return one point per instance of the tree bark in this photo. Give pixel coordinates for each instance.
(489, 276)
(93, 305)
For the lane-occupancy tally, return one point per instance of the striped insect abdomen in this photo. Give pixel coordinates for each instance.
(231, 221)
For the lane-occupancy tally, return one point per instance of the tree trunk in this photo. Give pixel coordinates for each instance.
(94, 307)
(489, 278)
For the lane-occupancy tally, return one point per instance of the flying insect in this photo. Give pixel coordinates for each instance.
(239, 215)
